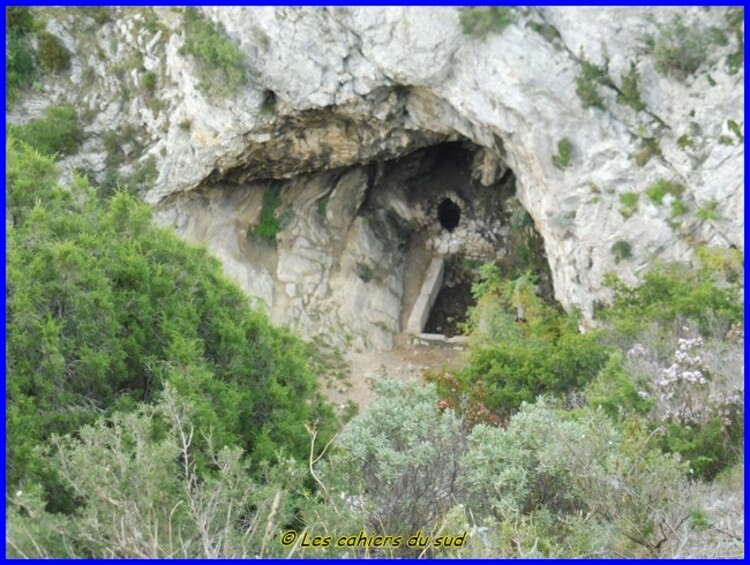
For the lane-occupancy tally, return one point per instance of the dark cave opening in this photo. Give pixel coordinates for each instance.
(450, 311)
(449, 214)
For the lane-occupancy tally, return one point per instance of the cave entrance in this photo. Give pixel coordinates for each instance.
(449, 312)
(449, 214)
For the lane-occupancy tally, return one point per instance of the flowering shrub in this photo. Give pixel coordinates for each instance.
(703, 381)
(696, 394)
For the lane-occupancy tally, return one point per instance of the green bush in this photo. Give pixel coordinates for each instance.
(141, 494)
(104, 308)
(678, 208)
(53, 55)
(649, 149)
(629, 203)
(20, 60)
(399, 459)
(269, 224)
(679, 49)
(564, 150)
(516, 372)
(365, 272)
(657, 191)
(149, 81)
(629, 93)
(707, 211)
(100, 15)
(616, 392)
(19, 20)
(479, 22)
(621, 251)
(19, 64)
(684, 141)
(670, 293)
(735, 129)
(586, 85)
(57, 133)
(550, 467)
(221, 66)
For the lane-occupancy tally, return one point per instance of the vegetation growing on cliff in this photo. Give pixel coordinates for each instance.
(221, 67)
(479, 22)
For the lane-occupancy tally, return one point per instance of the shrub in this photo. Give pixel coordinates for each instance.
(586, 85)
(398, 461)
(520, 220)
(269, 224)
(149, 81)
(707, 211)
(57, 133)
(684, 141)
(735, 129)
(695, 390)
(19, 64)
(669, 293)
(221, 66)
(621, 251)
(629, 203)
(678, 208)
(679, 49)
(19, 20)
(104, 308)
(100, 15)
(479, 22)
(53, 55)
(657, 191)
(729, 262)
(20, 60)
(649, 149)
(564, 150)
(510, 362)
(365, 272)
(142, 496)
(616, 392)
(629, 93)
(548, 32)
(554, 467)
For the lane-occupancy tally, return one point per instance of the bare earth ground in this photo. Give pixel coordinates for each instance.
(403, 363)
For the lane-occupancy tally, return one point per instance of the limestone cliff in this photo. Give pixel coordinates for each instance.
(340, 116)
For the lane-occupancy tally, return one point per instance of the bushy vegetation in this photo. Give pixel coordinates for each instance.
(657, 191)
(104, 309)
(221, 67)
(479, 22)
(680, 48)
(707, 210)
(648, 150)
(141, 493)
(57, 133)
(270, 223)
(628, 203)
(561, 160)
(621, 251)
(587, 82)
(20, 60)
(53, 55)
(630, 95)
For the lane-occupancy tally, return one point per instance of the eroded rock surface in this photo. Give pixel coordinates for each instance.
(334, 94)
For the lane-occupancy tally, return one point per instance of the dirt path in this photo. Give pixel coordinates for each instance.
(403, 363)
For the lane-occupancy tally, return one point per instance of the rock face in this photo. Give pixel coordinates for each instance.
(337, 101)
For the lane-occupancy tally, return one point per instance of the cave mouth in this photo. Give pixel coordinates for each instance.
(449, 313)
(449, 214)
